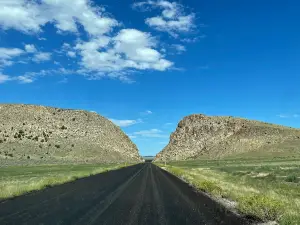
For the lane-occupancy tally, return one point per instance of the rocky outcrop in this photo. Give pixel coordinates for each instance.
(30, 133)
(215, 137)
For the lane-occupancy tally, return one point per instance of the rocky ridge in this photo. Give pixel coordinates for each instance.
(220, 136)
(44, 134)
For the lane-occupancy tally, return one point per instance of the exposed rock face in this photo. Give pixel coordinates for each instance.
(44, 134)
(214, 136)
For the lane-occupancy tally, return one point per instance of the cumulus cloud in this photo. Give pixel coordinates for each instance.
(31, 16)
(125, 123)
(173, 18)
(130, 49)
(42, 56)
(101, 54)
(30, 48)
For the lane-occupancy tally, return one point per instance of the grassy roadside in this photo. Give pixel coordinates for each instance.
(267, 189)
(15, 181)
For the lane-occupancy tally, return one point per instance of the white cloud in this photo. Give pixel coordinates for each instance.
(71, 54)
(130, 49)
(4, 78)
(193, 40)
(42, 56)
(30, 48)
(66, 46)
(7, 54)
(21, 15)
(132, 136)
(63, 81)
(30, 77)
(147, 112)
(25, 79)
(31, 16)
(179, 48)
(173, 19)
(289, 115)
(125, 123)
(152, 133)
(5, 63)
(103, 54)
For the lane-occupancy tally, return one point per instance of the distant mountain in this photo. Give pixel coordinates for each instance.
(38, 134)
(200, 136)
(148, 158)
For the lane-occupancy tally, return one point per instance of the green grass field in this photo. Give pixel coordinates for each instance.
(15, 181)
(265, 188)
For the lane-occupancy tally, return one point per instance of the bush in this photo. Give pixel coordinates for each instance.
(177, 172)
(210, 187)
(261, 206)
(57, 146)
(292, 178)
(63, 127)
(289, 219)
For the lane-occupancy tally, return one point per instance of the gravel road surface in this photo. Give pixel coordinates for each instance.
(142, 194)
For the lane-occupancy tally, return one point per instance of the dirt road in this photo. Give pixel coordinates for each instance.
(138, 195)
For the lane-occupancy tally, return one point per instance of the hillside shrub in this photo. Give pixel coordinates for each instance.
(261, 206)
(292, 178)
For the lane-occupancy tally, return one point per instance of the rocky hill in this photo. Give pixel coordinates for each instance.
(38, 134)
(216, 136)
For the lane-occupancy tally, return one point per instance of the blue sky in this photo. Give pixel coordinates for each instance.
(147, 64)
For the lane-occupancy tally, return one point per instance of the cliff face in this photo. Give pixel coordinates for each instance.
(214, 137)
(44, 134)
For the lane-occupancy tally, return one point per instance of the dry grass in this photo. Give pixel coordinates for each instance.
(268, 197)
